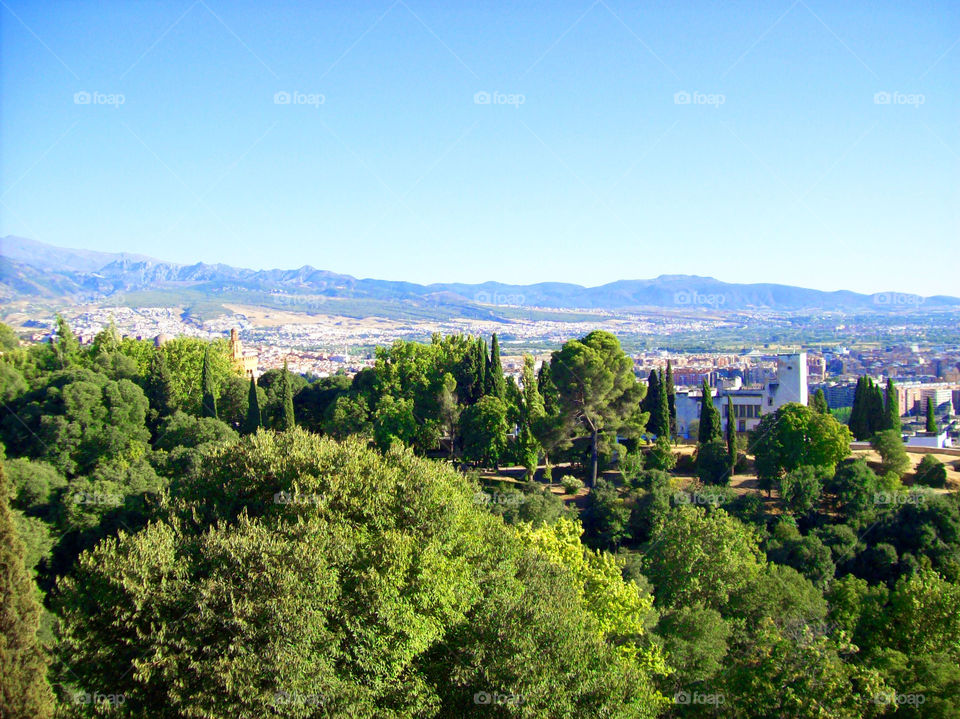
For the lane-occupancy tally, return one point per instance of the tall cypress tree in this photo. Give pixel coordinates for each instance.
(818, 402)
(710, 428)
(876, 415)
(287, 420)
(159, 387)
(651, 402)
(254, 419)
(931, 417)
(662, 427)
(498, 383)
(731, 435)
(25, 693)
(891, 409)
(484, 367)
(671, 400)
(209, 400)
(67, 346)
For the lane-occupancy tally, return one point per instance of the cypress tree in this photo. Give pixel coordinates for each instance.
(254, 419)
(731, 435)
(67, 346)
(209, 401)
(159, 388)
(484, 363)
(819, 402)
(891, 410)
(25, 693)
(671, 400)
(287, 420)
(651, 403)
(709, 418)
(931, 417)
(876, 414)
(662, 427)
(498, 383)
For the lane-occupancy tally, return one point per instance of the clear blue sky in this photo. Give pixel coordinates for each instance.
(799, 176)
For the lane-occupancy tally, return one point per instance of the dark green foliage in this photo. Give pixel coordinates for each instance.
(696, 640)
(891, 408)
(800, 490)
(483, 427)
(208, 403)
(867, 417)
(24, 693)
(66, 348)
(184, 430)
(931, 418)
(671, 399)
(710, 424)
(731, 436)
(605, 517)
(158, 388)
(286, 420)
(819, 402)
(496, 382)
(657, 405)
(808, 555)
(254, 420)
(931, 472)
(713, 462)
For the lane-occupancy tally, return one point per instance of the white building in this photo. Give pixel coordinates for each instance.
(749, 405)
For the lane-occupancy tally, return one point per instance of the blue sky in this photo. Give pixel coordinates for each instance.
(746, 141)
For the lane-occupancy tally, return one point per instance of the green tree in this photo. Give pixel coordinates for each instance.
(819, 402)
(651, 403)
(67, 348)
(348, 415)
(254, 419)
(8, 338)
(605, 517)
(496, 382)
(449, 408)
(286, 419)
(25, 693)
(483, 430)
(158, 388)
(531, 412)
(710, 428)
(713, 462)
(671, 399)
(731, 436)
(597, 388)
(931, 472)
(208, 404)
(931, 418)
(893, 457)
(800, 490)
(793, 436)
(891, 408)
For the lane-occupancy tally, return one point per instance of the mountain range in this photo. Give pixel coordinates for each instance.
(38, 271)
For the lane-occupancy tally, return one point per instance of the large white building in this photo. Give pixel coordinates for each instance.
(749, 405)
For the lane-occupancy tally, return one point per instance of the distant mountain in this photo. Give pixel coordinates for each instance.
(34, 270)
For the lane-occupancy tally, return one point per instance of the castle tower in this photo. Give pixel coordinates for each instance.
(791, 382)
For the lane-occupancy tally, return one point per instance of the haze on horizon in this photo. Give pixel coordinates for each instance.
(795, 143)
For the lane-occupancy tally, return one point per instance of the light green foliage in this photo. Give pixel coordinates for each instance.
(893, 457)
(795, 435)
(571, 485)
(661, 456)
(184, 359)
(184, 430)
(346, 416)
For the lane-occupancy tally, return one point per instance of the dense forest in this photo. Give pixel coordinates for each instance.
(178, 540)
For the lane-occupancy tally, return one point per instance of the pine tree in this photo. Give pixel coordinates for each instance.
(24, 691)
(891, 409)
(287, 420)
(671, 400)
(731, 435)
(209, 401)
(931, 417)
(710, 428)
(662, 427)
(818, 402)
(498, 383)
(254, 419)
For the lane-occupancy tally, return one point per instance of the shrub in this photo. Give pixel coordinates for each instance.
(661, 456)
(931, 472)
(571, 485)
